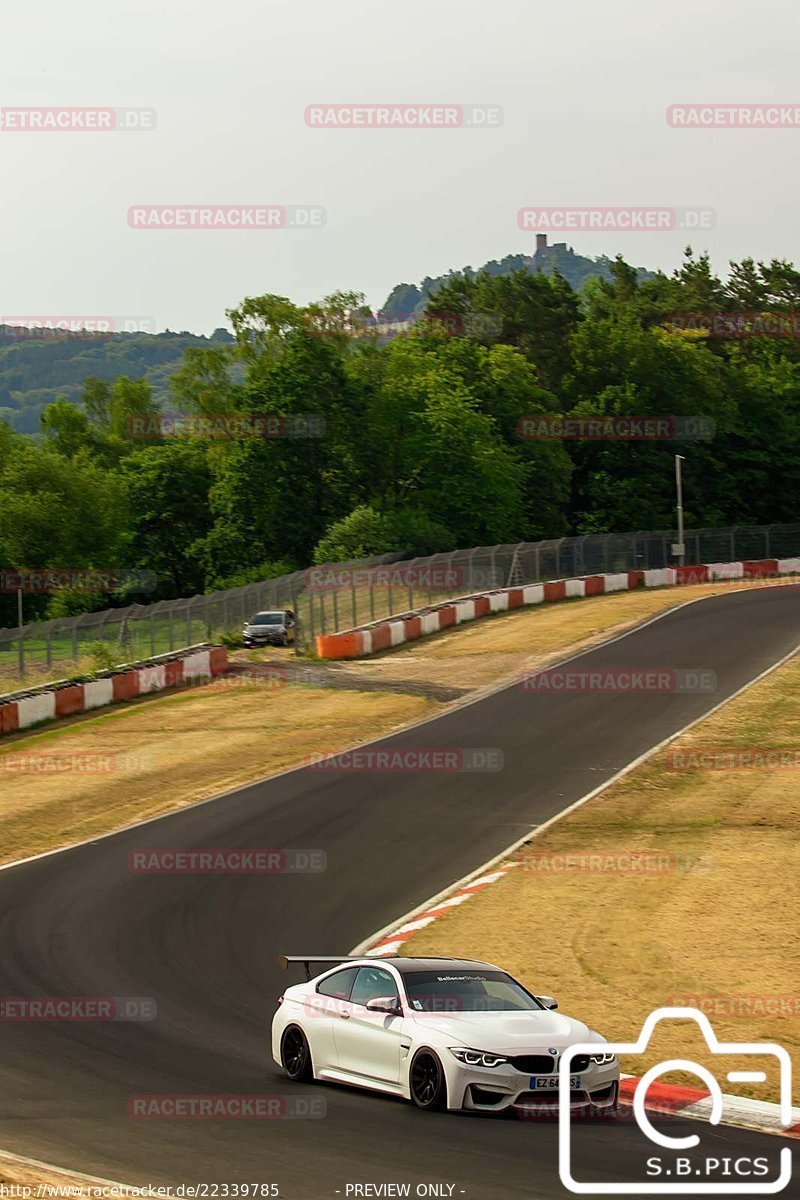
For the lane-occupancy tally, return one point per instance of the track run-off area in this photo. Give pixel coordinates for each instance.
(205, 947)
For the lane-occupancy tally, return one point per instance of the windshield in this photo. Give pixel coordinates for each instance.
(267, 619)
(466, 991)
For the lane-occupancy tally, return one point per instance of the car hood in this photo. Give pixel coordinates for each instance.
(262, 628)
(508, 1032)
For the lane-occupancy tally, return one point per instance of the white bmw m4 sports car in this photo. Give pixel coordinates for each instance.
(445, 1033)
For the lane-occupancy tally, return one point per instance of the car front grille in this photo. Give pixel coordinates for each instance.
(545, 1064)
(534, 1064)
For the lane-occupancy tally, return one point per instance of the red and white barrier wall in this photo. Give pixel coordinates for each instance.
(382, 635)
(20, 710)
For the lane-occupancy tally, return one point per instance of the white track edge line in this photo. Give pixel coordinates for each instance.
(536, 830)
(22, 1161)
(475, 698)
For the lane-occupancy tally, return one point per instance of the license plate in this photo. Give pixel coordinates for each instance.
(549, 1083)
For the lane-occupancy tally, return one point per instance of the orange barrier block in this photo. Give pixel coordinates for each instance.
(381, 637)
(218, 660)
(594, 585)
(515, 598)
(635, 579)
(482, 606)
(447, 616)
(340, 645)
(173, 673)
(69, 700)
(9, 718)
(413, 628)
(555, 590)
(763, 568)
(126, 685)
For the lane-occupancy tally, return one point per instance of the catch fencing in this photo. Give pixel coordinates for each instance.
(327, 599)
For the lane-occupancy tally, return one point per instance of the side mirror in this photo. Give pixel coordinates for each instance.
(388, 1005)
(547, 1001)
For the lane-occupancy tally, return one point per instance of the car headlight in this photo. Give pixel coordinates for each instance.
(602, 1060)
(476, 1058)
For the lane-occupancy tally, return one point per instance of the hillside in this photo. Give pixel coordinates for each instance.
(409, 298)
(35, 370)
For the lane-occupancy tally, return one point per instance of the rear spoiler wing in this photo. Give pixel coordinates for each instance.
(287, 960)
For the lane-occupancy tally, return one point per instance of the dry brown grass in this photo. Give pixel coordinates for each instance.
(163, 754)
(721, 921)
(19, 1172)
(480, 653)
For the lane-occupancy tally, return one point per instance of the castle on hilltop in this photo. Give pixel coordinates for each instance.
(543, 250)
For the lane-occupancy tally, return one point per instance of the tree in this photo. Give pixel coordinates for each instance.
(168, 488)
(534, 312)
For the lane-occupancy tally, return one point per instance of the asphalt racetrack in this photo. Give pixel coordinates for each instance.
(79, 923)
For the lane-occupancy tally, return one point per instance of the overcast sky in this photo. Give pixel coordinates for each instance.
(584, 87)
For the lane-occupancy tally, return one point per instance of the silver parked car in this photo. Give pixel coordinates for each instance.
(270, 628)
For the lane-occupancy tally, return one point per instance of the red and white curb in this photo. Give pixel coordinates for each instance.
(696, 1103)
(391, 944)
(662, 1098)
(408, 627)
(65, 698)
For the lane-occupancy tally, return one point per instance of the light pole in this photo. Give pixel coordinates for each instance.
(681, 547)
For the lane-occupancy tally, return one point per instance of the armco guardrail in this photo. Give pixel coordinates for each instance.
(331, 598)
(407, 627)
(22, 709)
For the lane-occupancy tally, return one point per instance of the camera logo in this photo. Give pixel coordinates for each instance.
(683, 1167)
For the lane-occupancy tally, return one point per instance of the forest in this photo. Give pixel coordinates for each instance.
(321, 433)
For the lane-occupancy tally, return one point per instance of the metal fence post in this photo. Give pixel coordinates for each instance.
(21, 654)
(335, 610)
(311, 635)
